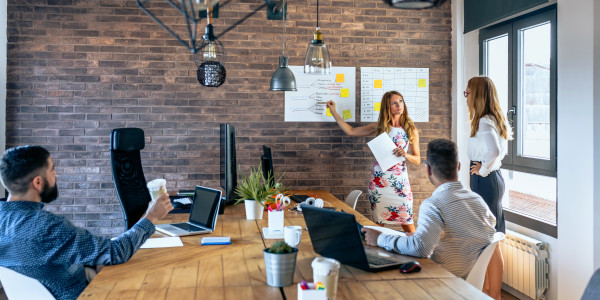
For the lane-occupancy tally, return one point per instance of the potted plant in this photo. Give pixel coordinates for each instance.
(254, 190)
(280, 264)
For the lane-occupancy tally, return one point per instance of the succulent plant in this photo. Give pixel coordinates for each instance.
(280, 247)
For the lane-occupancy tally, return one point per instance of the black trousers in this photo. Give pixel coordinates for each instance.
(491, 189)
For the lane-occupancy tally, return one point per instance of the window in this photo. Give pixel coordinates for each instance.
(520, 57)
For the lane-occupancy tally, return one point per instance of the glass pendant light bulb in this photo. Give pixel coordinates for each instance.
(317, 59)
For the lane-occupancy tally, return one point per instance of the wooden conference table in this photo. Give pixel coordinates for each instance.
(236, 271)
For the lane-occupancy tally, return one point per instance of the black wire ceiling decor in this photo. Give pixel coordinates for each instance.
(209, 53)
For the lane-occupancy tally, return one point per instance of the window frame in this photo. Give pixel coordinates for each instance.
(514, 161)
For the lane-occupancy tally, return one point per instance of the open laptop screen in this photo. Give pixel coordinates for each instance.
(205, 206)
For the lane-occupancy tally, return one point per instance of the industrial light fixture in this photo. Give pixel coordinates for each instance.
(210, 57)
(317, 59)
(209, 53)
(413, 4)
(283, 79)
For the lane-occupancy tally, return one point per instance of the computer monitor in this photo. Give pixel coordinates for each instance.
(228, 174)
(267, 164)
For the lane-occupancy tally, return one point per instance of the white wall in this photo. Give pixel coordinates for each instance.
(597, 132)
(575, 254)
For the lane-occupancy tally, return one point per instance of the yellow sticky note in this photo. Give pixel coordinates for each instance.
(347, 114)
(328, 112)
(339, 77)
(377, 106)
(344, 93)
(378, 83)
(422, 83)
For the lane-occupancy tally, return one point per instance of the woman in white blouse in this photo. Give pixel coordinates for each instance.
(490, 133)
(488, 144)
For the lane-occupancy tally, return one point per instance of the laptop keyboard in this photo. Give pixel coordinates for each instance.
(184, 201)
(377, 260)
(188, 227)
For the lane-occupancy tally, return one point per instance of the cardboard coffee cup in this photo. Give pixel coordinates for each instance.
(157, 187)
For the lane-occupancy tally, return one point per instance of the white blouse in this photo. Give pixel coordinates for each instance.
(487, 146)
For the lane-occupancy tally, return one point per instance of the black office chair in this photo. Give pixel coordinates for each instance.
(125, 146)
(592, 291)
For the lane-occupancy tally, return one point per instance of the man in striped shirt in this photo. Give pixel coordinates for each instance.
(454, 224)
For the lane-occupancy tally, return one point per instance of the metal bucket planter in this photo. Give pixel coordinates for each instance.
(280, 267)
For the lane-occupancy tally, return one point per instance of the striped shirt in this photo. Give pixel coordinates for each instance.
(454, 226)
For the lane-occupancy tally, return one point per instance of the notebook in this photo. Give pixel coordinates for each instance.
(203, 216)
(337, 235)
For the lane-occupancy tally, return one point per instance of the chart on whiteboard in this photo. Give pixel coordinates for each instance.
(412, 83)
(308, 104)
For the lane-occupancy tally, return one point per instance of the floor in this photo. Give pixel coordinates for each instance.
(507, 296)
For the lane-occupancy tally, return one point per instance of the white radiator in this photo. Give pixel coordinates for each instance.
(525, 264)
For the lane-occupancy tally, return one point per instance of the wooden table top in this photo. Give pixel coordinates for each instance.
(237, 272)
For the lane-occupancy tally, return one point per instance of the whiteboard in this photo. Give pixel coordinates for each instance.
(308, 104)
(412, 83)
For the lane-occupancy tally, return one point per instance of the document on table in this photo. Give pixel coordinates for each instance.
(386, 230)
(383, 149)
(163, 242)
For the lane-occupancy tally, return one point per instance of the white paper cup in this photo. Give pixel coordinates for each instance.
(326, 270)
(157, 187)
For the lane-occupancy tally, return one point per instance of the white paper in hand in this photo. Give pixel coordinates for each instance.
(385, 230)
(383, 149)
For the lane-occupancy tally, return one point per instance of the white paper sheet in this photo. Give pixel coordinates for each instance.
(385, 230)
(163, 242)
(383, 149)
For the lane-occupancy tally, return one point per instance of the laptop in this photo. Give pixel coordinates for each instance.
(337, 235)
(203, 216)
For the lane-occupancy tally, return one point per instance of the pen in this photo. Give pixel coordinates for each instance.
(269, 208)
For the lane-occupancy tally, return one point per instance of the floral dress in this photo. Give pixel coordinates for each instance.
(389, 191)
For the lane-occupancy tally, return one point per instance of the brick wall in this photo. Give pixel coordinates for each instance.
(78, 69)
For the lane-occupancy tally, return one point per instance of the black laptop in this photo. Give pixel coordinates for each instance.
(337, 235)
(203, 218)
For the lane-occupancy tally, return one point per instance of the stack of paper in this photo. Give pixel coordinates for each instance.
(163, 242)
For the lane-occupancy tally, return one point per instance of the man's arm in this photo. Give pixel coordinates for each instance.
(64, 243)
(421, 244)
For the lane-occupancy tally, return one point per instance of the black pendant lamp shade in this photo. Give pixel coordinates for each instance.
(283, 79)
(413, 4)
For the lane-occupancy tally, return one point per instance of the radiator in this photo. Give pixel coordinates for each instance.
(525, 264)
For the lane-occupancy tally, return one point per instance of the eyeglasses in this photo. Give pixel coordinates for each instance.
(466, 93)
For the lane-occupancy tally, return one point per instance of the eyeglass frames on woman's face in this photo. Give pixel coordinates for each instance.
(466, 93)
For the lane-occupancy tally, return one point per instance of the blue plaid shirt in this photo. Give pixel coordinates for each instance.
(49, 248)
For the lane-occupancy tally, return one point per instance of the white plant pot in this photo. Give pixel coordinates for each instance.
(254, 210)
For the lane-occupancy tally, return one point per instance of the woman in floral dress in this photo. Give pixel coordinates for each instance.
(389, 191)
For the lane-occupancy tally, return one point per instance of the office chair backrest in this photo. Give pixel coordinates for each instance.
(20, 287)
(477, 274)
(592, 291)
(353, 198)
(128, 176)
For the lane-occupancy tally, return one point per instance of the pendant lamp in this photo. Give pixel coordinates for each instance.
(317, 59)
(413, 4)
(283, 79)
(210, 57)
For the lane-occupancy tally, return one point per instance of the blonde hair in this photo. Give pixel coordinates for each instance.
(384, 124)
(484, 101)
